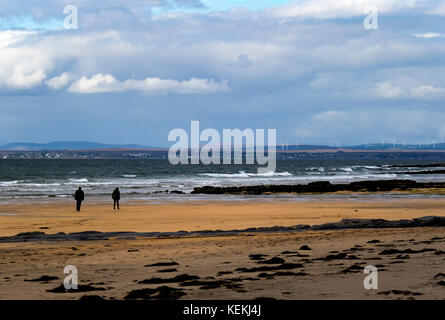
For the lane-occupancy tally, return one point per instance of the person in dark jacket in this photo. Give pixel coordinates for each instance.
(116, 197)
(79, 196)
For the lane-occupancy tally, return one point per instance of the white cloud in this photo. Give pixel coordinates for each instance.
(330, 9)
(25, 74)
(389, 90)
(21, 66)
(102, 83)
(59, 82)
(427, 35)
(9, 37)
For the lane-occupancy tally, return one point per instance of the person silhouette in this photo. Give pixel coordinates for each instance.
(79, 196)
(116, 195)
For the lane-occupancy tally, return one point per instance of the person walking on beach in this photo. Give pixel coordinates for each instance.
(79, 196)
(116, 197)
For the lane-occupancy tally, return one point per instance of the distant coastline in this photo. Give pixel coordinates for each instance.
(160, 153)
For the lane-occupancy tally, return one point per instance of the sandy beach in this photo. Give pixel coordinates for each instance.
(248, 265)
(203, 215)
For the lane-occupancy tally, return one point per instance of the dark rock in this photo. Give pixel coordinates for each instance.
(179, 278)
(439, 275)
(43, 278)
(206, 284)
(339, 256)
(284, 266)
(322, 187)
(400, 292)
(92, 298)
(274, 260)
(264, 299)
(282, 274)
(162, 264)
(411, 251)
(354, 268)
(161, 293)
(257, 256)
(305, 247)
(80, 288)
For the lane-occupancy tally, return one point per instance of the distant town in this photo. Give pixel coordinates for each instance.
(92, 150)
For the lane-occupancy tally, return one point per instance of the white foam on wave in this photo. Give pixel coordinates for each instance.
(8, 183)
(129, 175)
(348, 177)
(243, 174)
(81, 180)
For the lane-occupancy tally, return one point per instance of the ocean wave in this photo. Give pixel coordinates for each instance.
(338, 177)
(243, 174)
(321, 169)
(8, 183)
(81, 180)
(129, 175)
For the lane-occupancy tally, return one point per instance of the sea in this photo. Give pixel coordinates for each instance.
(153, 180)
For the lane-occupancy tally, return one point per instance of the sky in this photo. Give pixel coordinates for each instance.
(133, 70)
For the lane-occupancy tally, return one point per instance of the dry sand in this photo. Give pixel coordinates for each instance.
(117, 265)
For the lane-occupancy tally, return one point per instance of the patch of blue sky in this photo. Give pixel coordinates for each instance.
(224, 5)
(28, 23)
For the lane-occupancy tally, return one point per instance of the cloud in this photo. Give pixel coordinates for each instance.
(242, 61)
(437, 9)
(104, 83)
(330, 9)
(389, 90)
(352, 126)
(59, 82)
(22, 66)
(322, 81)
(332, 74)
(190, 4)
(10, 37)
(427, 35)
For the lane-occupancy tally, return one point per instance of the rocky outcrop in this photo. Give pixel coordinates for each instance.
(430, 221)
(323, 187)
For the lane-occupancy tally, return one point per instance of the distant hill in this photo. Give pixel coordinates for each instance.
(87, 145)
(67, 145)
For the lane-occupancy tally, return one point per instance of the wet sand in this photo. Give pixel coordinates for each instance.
(246, 266)
(203, 215)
